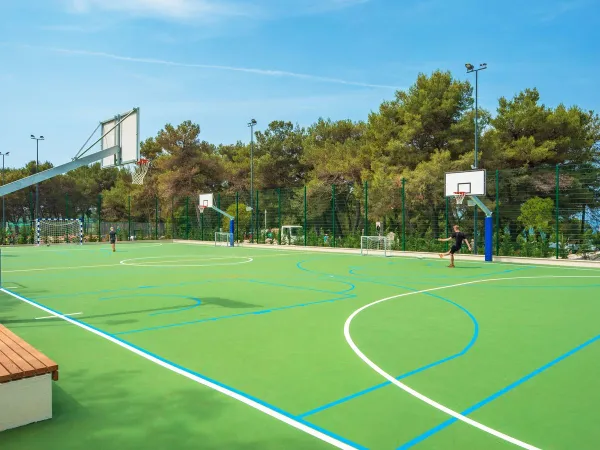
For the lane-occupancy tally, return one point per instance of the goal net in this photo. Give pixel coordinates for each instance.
(379, 245)
(59, 231)
(222, 238)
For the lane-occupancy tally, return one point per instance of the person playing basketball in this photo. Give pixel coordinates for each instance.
(112, 236)
(460, 238)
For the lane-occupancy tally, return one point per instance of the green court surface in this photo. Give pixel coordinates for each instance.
(189, 346)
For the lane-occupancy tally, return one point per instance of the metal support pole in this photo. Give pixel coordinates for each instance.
(366, 208)
(279, 214)
(556, 206)
(447, 222)
(129, 214)
(497, 212)
(156, 220)
(99, 217)
(256, 222)
(333, 215)
(305, 219)
(187, 218)
(237, 217)
(403, 217)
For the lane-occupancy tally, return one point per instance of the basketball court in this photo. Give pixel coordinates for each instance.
(179, 344)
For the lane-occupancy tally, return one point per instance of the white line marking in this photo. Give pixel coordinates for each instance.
(55, 317)
(143, 262)
(222, 389)
(420, 396)
(58, 268)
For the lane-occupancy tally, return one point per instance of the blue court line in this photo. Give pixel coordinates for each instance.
(205, 378)
(412, 372)
(253, 313)
(494, 396)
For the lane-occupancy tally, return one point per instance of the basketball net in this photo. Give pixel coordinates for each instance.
(140, 171)
(459, 197)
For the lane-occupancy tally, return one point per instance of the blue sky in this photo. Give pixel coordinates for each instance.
(67, 64)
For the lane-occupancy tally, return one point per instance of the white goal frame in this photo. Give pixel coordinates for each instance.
(76, 230)
(378, 245)
(223, 238)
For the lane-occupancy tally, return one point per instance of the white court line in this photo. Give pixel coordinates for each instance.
(58, 317)
(58, 268)
(420, 396)
(222, 389)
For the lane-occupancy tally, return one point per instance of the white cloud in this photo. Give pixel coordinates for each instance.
(187, 10)
(170, 9)
(265, 72)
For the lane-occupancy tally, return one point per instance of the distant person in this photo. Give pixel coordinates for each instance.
(112, 236)
(459, 237)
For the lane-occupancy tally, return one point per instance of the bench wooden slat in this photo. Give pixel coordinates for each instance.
(39, 366)
(29, 358)
(4, 374)
(14, 370)
(25, 367)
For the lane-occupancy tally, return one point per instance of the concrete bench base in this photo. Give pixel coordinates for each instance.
(25, 401)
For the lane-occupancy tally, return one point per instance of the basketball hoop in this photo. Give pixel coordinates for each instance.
(459, 197)
(140, 171)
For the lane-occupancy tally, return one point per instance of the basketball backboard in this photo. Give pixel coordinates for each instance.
(471, 182)
(206, 200)
(122, 130)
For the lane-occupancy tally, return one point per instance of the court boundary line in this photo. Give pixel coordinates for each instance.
(420, 396)
(273, 411)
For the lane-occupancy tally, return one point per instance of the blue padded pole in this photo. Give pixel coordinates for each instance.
(231, 231)
(489, 225)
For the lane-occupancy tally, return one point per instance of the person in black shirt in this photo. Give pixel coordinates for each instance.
(460, 238)
(112, 236)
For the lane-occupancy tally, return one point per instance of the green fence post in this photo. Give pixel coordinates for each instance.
(219, 200)
(305, 219)
(237, 217)
(187, 218)
(497, 212)
(202, 225)
(173, 227)
(333, 215)
(156, 220)
(99, 217)
(447, 221)
(557, 204)
(403, 217)
(129, 215)
(256, 217)
(366, 208)
(279, 213)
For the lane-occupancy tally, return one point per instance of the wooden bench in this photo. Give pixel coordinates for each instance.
(25, 382)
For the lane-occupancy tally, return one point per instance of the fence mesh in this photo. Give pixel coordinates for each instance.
(546, 212)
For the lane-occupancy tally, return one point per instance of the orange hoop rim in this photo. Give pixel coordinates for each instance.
(142, 161)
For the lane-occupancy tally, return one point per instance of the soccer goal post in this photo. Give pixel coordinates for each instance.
(377, 245)
(59, 231)
(223, 238)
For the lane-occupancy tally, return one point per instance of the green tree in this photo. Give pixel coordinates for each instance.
(537, 213)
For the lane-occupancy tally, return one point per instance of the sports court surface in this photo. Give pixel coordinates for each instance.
(188, 346)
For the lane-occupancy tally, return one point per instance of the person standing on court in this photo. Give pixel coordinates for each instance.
(112, 236)
(460, 237)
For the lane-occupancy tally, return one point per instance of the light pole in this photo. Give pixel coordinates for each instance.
(37, 185)
(471, 68)
(3, 220)
(251, 125)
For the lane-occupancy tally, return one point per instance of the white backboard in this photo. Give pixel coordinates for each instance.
(122, 130)
(472, 182)
(206, 200)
